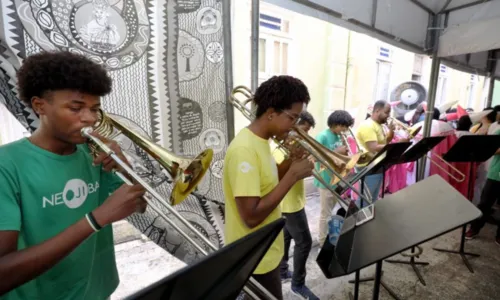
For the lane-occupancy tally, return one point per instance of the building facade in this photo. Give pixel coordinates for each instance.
(343, 69)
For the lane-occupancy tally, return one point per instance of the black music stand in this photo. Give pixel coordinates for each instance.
(412, 155)
(404, 219)
(393, 153)
(472, 149)
(229, 269)
(377, 165)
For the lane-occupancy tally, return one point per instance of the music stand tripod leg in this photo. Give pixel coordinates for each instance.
(462, 252)
(462, 238)
(412, 263)
(379, 271)
(379, 282)
(356, 282)
(356, 287)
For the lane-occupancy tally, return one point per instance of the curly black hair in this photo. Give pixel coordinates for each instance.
(436, 113)
(280, 93)
(464, 123)
(340, 118)
(60, 70)
(306, 117)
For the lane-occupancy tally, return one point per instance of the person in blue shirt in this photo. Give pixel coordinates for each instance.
(338, 122)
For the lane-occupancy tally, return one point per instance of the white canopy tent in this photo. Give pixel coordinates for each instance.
(457, 33)
(466, 28)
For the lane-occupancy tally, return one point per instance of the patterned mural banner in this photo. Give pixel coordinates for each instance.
(166, 59)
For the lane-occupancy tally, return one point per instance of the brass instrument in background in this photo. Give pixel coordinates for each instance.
(342, 164)
(365, 156)
(412, 132)
(339, 165)
(185, 172)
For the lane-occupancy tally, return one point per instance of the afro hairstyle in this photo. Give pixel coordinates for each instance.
(340, 118)
(306, 117)
(60, 70)
(280, 93)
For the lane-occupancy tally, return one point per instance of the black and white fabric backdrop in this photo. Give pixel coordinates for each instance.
(166, 61)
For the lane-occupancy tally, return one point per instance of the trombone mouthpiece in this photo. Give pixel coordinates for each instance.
(86, 131)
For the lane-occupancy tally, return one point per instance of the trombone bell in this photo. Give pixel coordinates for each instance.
(189, 175)
(185, 172)
(342, 164)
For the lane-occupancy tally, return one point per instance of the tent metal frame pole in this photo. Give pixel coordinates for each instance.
(228, 66)
(254, 61)
(433, 82)
(492, 65)
(491, 89)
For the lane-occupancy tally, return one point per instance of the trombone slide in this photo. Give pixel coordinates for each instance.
(462, 175)
(86, 132)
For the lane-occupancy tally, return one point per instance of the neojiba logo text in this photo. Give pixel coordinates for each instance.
(74, 194)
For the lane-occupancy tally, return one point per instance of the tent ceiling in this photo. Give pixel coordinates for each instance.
(441, 6)
(467, 42)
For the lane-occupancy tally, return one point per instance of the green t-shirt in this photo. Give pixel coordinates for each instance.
(42, 194)
(331, 141)
(494, 170)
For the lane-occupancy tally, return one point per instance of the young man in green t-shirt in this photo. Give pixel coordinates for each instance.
(338, 122)
(489, 195)
(56, 200)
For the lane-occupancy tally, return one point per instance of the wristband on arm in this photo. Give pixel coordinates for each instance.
(92, 222)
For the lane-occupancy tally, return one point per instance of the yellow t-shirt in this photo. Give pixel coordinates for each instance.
(369, 131)
(474, 128)
(250, 171)
(295, 199)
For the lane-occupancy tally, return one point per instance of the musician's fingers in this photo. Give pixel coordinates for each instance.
(108, 164)
(141, 205)
(100, 158)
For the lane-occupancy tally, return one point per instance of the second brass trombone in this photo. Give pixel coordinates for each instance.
(339, 165)
(412, 132)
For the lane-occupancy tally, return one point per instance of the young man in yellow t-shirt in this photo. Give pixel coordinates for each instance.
(254, 185)
(371, 137)
(297, 227)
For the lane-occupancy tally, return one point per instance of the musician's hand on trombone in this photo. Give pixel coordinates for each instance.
(341, 150)
(301, 169)
(391, 125)
(122, 203)
(109, 164)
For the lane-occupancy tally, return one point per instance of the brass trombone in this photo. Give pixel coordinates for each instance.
(365, 156)
(186, 173)
(412, 132)
(339, 165)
